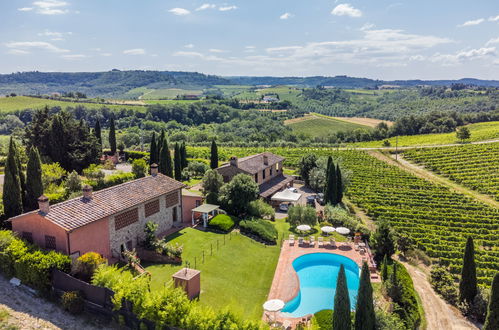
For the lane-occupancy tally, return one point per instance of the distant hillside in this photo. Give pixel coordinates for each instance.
(119, 84)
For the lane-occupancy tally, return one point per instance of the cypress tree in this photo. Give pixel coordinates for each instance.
(394, 285)
(177, 162)
(153, 151)
(34, 185)
(58, 146)
(468, 283)
(365, 318)
(330, 193)
(384, 269)
(112, 136)
(98, 132)
(22, 176)
(214, 155)
(183, 156)
(326, 186)
(339, 185)
(165, 160)
(492, 319)
(160, 143)
(341, 312)
(12, 193)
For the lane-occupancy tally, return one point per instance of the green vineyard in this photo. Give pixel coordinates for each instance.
(438, 219)
(474, 166)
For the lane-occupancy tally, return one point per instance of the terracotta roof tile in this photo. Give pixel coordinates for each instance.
(254, 163)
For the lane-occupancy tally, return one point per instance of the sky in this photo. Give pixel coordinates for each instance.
(382, 39)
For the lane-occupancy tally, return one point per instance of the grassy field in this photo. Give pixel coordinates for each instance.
(11, 104)
(170, 101)
(285, 93)
(319, 126)
(144, 93)
(479, 132)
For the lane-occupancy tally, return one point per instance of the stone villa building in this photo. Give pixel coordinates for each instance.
(107, 221)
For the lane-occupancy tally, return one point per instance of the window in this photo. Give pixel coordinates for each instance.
(151, 208)
(256, 177)
(126, 218)
(263, 174)
(175, 217)
(271, 170)
(50, 242)
(277, 168)
(198, 202)
(171, 199)
(28, 236)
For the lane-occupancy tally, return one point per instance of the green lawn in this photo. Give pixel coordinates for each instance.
(322, 126)
(479, 132)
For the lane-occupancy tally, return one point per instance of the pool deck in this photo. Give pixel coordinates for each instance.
(285, 285)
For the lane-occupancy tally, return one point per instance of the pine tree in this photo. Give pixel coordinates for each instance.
(34, 185)
(341, 312)
(153, 152)
(177, 162)
(492, 319)
(98, 132)
(365, 318)
(112, 136)
(339, 185)
(214, 155)
(183, 156)
(165, 160)
(12, 193)
(468, 283)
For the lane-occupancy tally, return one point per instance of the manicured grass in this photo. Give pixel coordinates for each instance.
(316, 126)
(479, 132)
(11, 104)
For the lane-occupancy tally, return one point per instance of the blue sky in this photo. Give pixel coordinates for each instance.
(397, 39)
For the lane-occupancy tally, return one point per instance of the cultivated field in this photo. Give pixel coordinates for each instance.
(319, 126)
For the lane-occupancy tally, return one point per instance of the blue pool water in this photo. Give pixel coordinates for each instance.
(318, 273)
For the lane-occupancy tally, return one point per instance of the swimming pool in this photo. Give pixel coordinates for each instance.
(318, 273)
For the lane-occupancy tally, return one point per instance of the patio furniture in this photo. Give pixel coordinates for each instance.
(273, 306)
(356, 247)
(300, 241)
(286, 324)
(332, 242)
(327, 229)
(291, 240)
(362, 252)
(303, 228)
(306, 242)
(312, 241)
(320, 241)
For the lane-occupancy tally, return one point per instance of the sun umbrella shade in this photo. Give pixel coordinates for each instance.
(273, 305)
(327, 229)
(343, 230)
(303, 227)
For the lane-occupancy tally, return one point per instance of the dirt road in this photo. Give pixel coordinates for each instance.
(439, 315)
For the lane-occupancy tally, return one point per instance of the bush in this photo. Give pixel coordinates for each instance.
(139, 168)
(299, 215)
(324, 319)
(222, 222)
(443, 283)
(260, 209)
(388, 321)
(261, 228)
(85, 266)
(132, 155)
(73, 302)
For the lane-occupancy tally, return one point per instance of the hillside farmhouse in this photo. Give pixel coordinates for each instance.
(106, 221)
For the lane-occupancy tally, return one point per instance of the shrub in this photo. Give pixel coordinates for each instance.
(324, 319)
(261, 228)
(73, 302)
(388, 321)
(150, 234)
(260, 209)
(132, 155)
(443, 283)
(222, 222)
(85, 266)
(139, 168)
(298, 215)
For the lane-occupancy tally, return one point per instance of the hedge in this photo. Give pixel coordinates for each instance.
(324, 319)
(132, 155)
(28, 263)
(261, 228)
(222, 222)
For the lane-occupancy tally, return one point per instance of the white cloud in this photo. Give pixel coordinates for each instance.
(55, 36)
(51, 7)
(494, 18)
(227, 8)
(205, 6)
(472, 22)
(179, 11)
(492, 41)
(346, 9)
(73, 57)
(188, 54)
(367, 26)
(214, 50)
(463, 55)
(106, 54)
(25, 9)
(286, 16)
(17, 52)
(190, 46)
(135, 51)
(26, 46)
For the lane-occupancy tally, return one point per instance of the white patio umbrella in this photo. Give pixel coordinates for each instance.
(343, 230)
(303, 227)
(274, 306)
(327, 229)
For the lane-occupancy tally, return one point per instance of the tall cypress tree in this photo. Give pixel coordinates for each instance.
(339, 185)
(153, 152)
(22, 176)
(98, 131)
(183, 156)
(58, 142)
(384, 269)
(161, 140)
(365, 318)
(330, 193)
(34, 185)
(12, 192)
(165, 160)
(341, 312)
(177, 162)
(468, 283)
(492, 319)
(112, 136)
(214, 155)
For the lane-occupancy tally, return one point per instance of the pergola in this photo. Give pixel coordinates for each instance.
(286, 196)
(206, 210)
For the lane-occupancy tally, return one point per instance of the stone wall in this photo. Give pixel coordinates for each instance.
(134, 232)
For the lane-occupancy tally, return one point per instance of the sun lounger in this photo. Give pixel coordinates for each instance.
(356, 246)
(362, 251)
(286, 324)
(312, 241)
(300, 241)
(332, 242)
(291, 240)
(306, 242)
(320, 241)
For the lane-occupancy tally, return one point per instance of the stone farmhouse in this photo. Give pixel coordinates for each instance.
(107, 221)
(265, 168)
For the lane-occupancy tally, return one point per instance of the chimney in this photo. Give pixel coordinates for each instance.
(154, 169)
(233, 161)
(265, 160)
(43, 204)
(87, 192)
